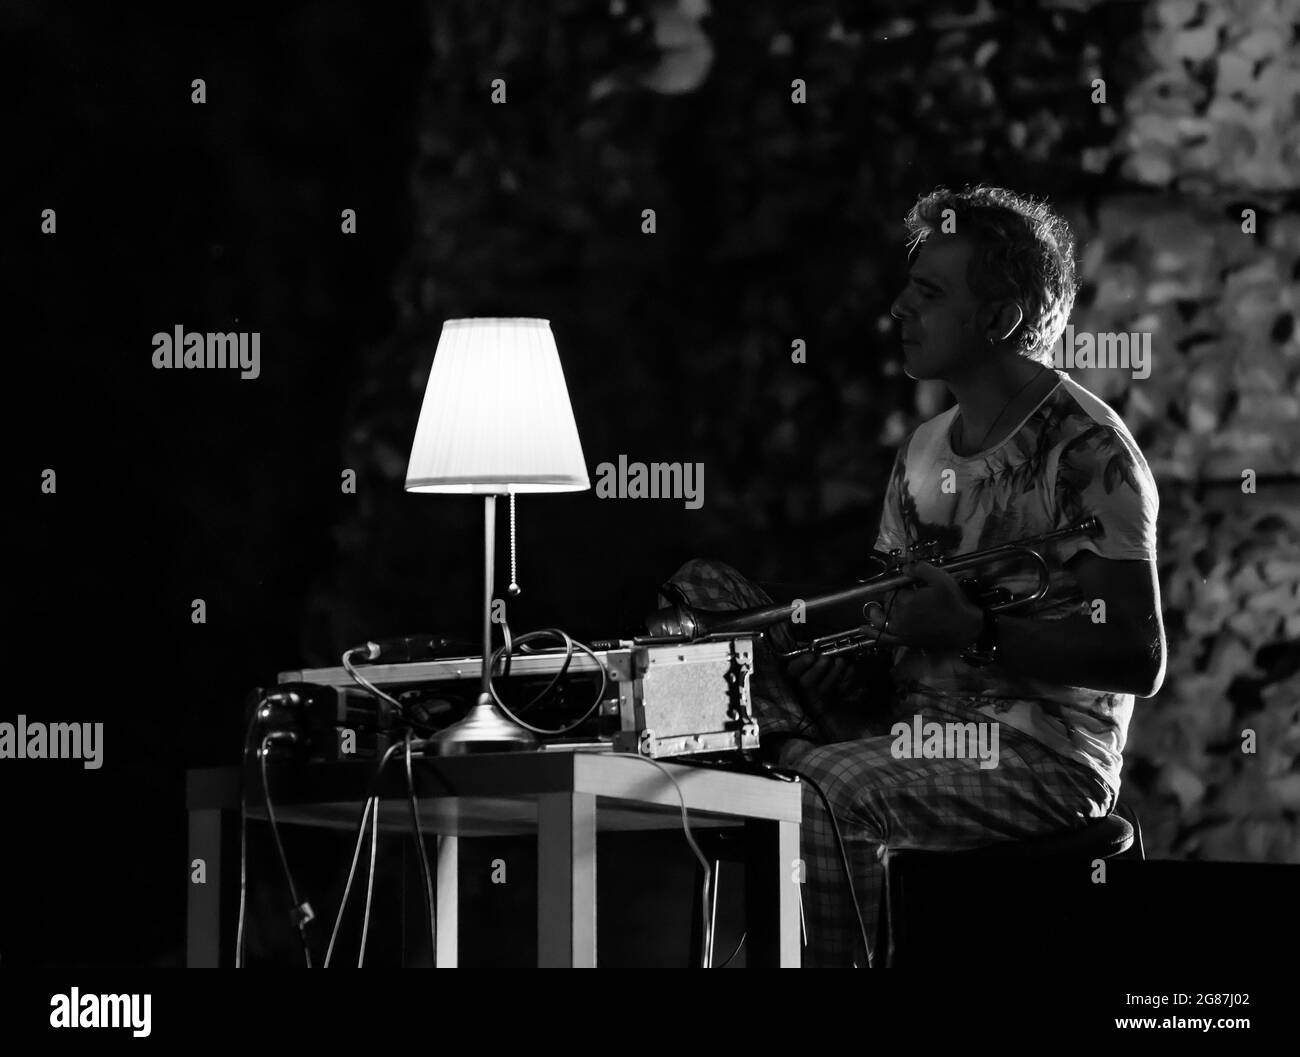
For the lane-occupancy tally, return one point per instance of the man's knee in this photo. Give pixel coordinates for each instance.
(845, 772)
(710, 583)
(704, 569)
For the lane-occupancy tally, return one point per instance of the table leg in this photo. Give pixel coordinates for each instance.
(448, 901)
(203, 905)
(788, 912)
(566, 880)
(772, 894)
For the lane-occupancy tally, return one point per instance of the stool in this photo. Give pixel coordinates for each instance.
(1009, 902)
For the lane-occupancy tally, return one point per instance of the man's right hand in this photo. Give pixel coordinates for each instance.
(821, 676)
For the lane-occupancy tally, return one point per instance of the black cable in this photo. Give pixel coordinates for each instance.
(747, 765)
(732, 956)
(706, 890)
(243, 840)
(356, 851)
(505, 668)
(786, 774)
(844, 855)
(508, 650)
(301, 912)
(570, 643)
(426, 874)
(365, 683)
(398, 706)
(524, 647)
(370, 883)
(371, 798)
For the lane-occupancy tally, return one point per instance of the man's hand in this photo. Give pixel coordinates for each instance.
(932, 615)
(820, 676)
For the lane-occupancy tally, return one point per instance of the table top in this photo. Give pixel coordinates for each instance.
(497, 793)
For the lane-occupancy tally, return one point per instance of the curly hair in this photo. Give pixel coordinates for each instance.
(1023, 251)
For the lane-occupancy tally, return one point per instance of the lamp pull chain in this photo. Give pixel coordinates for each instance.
(514, 587)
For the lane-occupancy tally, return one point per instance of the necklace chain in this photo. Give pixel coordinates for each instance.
(980, 446)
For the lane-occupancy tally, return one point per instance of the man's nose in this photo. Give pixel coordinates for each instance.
(898, 309)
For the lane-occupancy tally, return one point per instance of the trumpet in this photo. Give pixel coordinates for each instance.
(693, 624)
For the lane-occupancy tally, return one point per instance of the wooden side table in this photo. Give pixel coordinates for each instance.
(563, 797)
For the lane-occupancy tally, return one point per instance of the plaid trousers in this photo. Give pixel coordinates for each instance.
(881, 802)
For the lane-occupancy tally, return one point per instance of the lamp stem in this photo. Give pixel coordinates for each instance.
(486, 728)
(489, 550)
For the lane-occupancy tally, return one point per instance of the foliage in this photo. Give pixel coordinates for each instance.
(1219, 107)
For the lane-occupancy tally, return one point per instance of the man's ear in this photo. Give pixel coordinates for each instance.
(1004, 320)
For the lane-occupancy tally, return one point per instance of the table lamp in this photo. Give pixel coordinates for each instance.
(496, 420)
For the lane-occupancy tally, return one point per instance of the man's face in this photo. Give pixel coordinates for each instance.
(939, 315)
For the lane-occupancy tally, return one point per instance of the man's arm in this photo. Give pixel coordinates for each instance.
(1124, 654)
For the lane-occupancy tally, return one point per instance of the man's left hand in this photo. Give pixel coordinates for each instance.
(934, 614)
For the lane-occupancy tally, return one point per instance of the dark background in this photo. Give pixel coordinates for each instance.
(776, 221)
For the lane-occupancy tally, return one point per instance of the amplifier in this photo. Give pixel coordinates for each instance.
(675, 699)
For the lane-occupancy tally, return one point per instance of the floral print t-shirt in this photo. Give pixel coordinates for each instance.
(1071, 457)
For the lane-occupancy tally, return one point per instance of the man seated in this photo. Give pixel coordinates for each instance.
(1025, 450)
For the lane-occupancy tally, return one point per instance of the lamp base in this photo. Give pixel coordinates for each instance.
(485, 729)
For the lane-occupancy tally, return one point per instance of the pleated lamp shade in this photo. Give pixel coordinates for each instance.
(496, 416)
